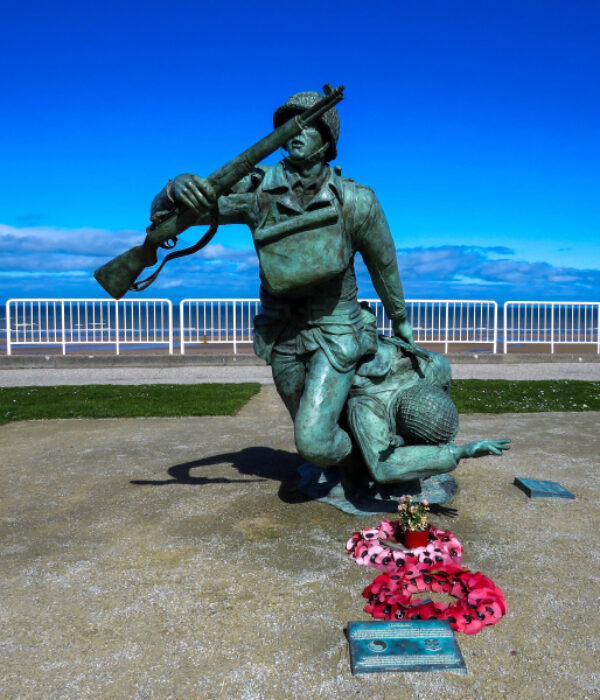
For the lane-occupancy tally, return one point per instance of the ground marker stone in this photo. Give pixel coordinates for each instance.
(536, 488)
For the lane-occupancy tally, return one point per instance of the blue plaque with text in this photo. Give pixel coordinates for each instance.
(411, 645)
(536, 488)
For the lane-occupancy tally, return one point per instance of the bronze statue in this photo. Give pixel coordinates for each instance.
(307, 224)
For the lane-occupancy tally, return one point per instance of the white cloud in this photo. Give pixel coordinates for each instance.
(484, 271)
(82, 241)
(38, 257)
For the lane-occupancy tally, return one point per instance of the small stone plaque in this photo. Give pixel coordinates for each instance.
(536, 488)
(411, 645)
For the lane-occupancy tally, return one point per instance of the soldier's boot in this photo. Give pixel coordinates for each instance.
(354, 478)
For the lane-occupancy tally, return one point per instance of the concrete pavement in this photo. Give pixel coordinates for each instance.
(174, 558)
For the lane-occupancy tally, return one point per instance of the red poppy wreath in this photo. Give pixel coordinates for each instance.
(480, 602)
(371, 547)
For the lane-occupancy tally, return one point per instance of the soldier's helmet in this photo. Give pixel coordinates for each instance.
(426, 414)
(329, 122)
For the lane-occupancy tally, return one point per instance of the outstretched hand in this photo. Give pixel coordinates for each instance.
(194, 192)
(482, 448)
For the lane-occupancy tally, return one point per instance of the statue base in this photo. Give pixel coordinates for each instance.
(377, 499)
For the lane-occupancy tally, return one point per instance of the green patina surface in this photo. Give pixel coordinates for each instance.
(307, 223)
(371, 410)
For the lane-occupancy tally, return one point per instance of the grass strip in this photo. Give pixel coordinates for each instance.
(116, 401)
(506, 396)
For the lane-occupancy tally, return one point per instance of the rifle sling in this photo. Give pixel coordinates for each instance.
(205, 240)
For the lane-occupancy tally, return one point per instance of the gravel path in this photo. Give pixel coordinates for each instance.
(257, 373)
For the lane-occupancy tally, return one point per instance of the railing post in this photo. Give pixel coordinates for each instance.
(552, 329)
(598, 330)
(181, 326)
(170, 306)
(505, 315)
(495, 328)
(116, 327)
(62, 323)
(446, 332)
(234, 328)
(8, 331)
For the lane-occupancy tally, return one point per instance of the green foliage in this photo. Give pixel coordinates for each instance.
(505, 396)
(113, 401)
(412, 514)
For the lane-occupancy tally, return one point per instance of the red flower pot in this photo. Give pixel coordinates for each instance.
(420, 538)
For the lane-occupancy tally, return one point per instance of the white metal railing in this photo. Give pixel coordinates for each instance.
(89, 322)
(149, 322)
(551, 323)
(446, 321)
(205, 321)
(217, 321)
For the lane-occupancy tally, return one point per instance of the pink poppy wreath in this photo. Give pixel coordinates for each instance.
(480, 602)
(366, 547)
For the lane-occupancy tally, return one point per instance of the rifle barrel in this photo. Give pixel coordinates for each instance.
(226, 176)
(232, 172)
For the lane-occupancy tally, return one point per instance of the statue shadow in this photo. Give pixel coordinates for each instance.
(264, 462)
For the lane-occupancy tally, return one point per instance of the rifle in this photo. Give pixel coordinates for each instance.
(119, 274)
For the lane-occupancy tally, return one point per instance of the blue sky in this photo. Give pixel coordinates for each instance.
(477, 123)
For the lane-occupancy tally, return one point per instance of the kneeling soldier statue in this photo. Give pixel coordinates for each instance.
(307, 224)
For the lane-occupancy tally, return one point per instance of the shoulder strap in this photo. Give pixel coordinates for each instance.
(349, 203)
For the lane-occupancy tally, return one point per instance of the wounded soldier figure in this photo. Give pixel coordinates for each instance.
(403, 423)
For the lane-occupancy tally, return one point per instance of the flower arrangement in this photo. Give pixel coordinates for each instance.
(377, 547)
(413, 514)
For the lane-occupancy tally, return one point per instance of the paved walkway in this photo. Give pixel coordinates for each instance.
(174, 558)
(191, 374)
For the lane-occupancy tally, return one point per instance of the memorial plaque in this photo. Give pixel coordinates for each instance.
(536, 488)
(411, 645)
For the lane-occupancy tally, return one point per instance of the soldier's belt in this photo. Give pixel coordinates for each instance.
(331, 311)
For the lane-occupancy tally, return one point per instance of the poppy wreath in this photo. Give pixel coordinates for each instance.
(365, 547)
(480, 602)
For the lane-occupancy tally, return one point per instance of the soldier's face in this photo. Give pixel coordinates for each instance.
(305, 144)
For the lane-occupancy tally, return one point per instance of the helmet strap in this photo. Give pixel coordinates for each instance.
(309, 161)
